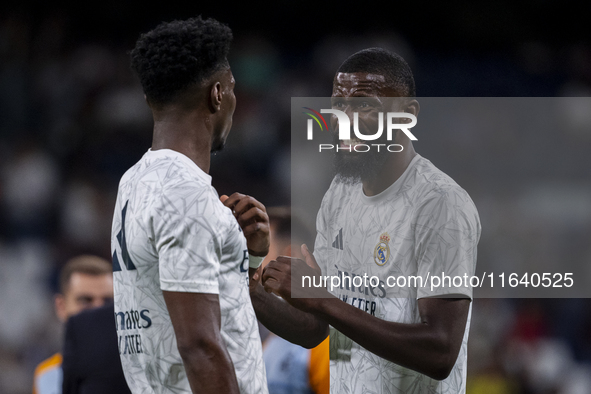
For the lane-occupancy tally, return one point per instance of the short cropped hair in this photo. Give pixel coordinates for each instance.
(179, 54)
(380, 61)
(84, 264)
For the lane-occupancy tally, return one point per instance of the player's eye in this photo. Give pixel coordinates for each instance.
(363, 106)
(84, 301)
(367, 105)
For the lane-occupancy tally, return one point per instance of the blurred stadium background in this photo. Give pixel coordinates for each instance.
(73, 119)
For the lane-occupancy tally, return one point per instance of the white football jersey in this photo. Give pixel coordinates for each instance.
(171, 232)
(424, 224)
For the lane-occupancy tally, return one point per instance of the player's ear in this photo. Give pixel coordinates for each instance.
(413, 107)
(215, 96)
(60, 307)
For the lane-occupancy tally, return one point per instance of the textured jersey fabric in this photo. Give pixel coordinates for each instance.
(424, 224)
(170, 232)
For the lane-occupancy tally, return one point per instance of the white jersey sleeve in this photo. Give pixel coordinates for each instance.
(188, 245)
(446, 235)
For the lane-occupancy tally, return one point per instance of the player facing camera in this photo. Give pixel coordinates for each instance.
(386, 214)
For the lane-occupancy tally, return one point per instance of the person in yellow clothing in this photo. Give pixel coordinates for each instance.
(85, 282)
(319, 371)
(292, 369)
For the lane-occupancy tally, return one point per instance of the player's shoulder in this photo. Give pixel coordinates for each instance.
(165, 175)
(439, 196)
(48, 364)
(432, 183)
(167, 169)
(168, 185)
(48, 375)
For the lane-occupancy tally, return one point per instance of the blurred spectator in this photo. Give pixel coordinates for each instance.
(31, 180)
(85, 282)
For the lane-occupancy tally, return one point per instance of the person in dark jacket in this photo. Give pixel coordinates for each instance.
(91, 361)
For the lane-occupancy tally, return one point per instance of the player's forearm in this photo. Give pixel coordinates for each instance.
(291, 324)
(421, 347)
(209, 368)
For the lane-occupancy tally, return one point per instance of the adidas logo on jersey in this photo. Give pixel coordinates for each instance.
(338, 241)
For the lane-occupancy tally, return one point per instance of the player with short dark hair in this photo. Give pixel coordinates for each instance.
(379, 61)
(181, 260)
(387, 71)
(175, 57)
(385, 214)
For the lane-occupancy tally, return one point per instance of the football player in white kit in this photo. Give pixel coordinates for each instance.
(181, 260)
(385, 214)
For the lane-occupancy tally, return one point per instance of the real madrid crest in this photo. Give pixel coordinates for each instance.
(381, 253)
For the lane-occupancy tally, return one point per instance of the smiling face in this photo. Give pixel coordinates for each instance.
(368, 95)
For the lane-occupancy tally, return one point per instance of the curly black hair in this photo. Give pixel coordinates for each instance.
(380, 61)
(179, 54)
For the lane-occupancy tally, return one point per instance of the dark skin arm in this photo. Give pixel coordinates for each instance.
(288, 322)
(196, 321)
(430, 347)
(292, 324)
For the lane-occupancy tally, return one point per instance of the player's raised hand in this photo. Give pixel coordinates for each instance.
(253, 219)
(310, 260)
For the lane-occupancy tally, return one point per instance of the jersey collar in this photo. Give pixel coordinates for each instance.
(392, 189)
(179, 156)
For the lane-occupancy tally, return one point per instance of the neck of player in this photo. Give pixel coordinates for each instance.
(189, 133)
(392, 169)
